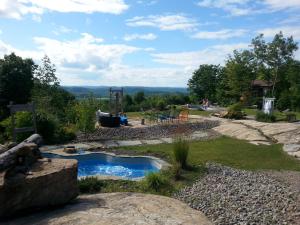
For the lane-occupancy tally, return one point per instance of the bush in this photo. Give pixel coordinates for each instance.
(90, 185)
(181, 151)
(263, 117)
(291, 117)
(22, 119)
(155, 181)
(235, 111)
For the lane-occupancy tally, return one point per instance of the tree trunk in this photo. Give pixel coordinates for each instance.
(9, 158)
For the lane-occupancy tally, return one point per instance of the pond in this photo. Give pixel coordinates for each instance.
(125, 167)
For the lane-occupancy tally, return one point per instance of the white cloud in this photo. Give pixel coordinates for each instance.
(249, 7)
(212, 55)
(280, 5)
(164, 22)
(234, 7)
(16, 9)
(149, 37)
(87, 53)
(221, 34)
(286, 30)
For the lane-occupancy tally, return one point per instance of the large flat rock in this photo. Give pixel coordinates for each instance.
(239, 131)
(48, 184)
(119, 209)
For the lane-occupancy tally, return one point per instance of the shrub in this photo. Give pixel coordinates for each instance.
(235, 111)
(291, 117)
(181, 151)
(90, 185)
(263, 117)
(22, 119)
(155, 181)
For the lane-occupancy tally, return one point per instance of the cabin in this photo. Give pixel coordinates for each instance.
(259, 88)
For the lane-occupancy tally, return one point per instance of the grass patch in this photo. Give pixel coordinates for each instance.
(200, 113)
(228, 151)
(134, 114)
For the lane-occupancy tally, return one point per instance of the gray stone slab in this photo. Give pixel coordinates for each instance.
(153, 142)
(291, 147)
(167, 140)
(129, 143)
(199, 135)
(110, 144)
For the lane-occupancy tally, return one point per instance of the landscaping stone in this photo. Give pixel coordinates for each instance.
(147, 132)
(199, 135)
(231, 196)
(152, 142)
(3, 148)
(48, 183)
(110, 144)
(129, 143)
(239, 131)
(291, 147)
(119, 209)
(167, 140)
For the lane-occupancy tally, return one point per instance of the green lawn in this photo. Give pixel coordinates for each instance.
(200, 113)
(134, 114)
(227, 151)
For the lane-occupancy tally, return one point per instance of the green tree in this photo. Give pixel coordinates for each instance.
(16, 81)
(239, 73)
(204, 81)
(139, 97)
(273, 56)
(86, 114)
(49, 97)
(45, 73)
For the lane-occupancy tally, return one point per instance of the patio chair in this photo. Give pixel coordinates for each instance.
(184, 115)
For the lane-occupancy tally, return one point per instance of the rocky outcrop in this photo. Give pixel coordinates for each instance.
(120, 209)
(27, 181)
(47, 183)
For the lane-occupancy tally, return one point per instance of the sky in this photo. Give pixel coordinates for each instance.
(137, 42)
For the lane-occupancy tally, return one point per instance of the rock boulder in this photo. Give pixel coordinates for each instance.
(119, 209)
(47, 183)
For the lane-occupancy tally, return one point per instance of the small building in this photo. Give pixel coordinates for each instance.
(259, 88)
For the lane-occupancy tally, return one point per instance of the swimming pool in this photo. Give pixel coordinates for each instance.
(93, 164)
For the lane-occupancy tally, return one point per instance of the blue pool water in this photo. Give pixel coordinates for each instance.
(103, 164)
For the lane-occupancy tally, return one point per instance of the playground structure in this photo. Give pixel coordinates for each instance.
(115, 117)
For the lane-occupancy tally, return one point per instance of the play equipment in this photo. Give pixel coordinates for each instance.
(115, 117)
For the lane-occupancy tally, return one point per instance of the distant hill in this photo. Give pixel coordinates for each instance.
(102, 91)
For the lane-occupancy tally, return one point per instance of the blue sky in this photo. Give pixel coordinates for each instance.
(138, 42)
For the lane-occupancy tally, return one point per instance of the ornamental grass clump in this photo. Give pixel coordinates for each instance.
(155, 181)
(90, 185)
(181, 151)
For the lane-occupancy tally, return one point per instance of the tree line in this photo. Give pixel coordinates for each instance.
(272, 62)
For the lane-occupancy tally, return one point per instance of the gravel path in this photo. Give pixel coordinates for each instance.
(231, 196)
(147, 132)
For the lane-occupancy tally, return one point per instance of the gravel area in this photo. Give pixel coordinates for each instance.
(147, 132)
(231, 196)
